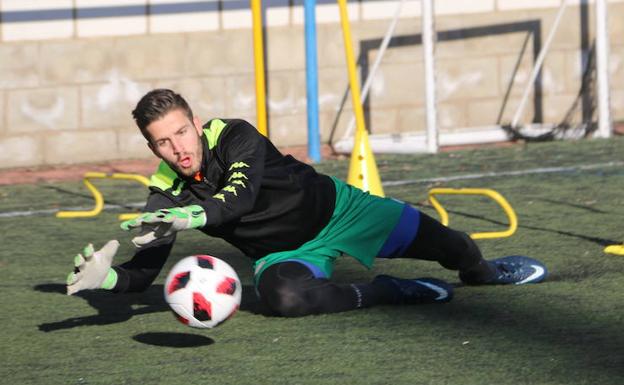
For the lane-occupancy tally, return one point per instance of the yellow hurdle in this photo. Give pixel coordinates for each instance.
(97, 195)
(498, 198)
(615, 249)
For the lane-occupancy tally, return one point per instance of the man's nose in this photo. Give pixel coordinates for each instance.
(177, 146)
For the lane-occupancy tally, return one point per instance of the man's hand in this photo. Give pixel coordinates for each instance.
(92, 269)
(165, 222)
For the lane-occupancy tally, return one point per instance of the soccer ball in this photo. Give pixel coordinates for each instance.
(203, 291)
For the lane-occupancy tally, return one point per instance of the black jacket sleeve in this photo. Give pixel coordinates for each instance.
(138, 273)
(242, 149)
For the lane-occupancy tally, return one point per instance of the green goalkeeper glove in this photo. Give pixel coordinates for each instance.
(165, 222)
(92, 269)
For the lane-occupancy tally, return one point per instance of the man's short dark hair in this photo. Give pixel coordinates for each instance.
(156, 104)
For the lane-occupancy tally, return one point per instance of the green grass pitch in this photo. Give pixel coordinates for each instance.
(568, 330)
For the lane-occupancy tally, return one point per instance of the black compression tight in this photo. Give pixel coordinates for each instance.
(453, 249)
(290, 289)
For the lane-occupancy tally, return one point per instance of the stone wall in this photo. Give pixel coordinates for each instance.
(72, 70)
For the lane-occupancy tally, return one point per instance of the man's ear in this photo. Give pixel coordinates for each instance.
(198, 126)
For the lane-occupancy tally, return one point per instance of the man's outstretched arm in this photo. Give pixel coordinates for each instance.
(94, 269)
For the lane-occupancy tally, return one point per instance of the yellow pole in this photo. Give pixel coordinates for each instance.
(256, 10)
(363, 171)
(351, 68)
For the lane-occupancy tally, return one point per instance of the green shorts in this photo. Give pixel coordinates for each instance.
(359, 226)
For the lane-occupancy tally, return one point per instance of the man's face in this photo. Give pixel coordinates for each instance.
(177, 140)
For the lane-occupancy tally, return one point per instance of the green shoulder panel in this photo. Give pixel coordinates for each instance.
(164, 178)
(213, 131)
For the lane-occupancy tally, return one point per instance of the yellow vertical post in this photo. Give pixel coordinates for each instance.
(256, 11)
(363, 171)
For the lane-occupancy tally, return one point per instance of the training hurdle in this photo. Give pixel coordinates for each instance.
(97, 195)
(615, 249)
(498, 198)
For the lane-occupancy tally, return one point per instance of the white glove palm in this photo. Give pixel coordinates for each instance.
(92, 268)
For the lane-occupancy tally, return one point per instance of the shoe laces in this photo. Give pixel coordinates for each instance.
(507, 270)
(409, 289)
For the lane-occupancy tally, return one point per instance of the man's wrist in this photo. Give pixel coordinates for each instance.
(111, 280)
(197, 216)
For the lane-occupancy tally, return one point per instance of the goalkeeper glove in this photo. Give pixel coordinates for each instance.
(92, 269)
(165, 222)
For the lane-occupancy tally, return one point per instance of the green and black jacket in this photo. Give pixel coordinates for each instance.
(254, 197)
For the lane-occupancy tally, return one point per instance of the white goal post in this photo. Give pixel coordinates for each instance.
(605, 123)
(429, 140)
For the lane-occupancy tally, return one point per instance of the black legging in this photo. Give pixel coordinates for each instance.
(290, 289)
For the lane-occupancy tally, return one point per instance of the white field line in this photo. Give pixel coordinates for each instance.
(26, 213)
(543, 170)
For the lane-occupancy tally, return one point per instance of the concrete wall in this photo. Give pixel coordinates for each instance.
(72, 70)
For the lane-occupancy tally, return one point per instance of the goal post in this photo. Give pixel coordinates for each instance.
(428, 43)
(605, 124)
(562, 124)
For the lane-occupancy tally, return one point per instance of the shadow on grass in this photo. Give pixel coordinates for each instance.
(115, 308)
(563, 340)
(173, 340)
(574, 205)
(597, 240)
(87, 196)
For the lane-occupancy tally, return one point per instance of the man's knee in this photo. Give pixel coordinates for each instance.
(286, 299)
(291, 289)
(282, 288)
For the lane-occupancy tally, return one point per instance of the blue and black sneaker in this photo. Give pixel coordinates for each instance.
(511, 270)
(417, 291)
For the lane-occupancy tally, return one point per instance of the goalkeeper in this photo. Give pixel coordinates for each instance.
(226, 180)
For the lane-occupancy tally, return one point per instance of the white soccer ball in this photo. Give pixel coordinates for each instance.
(203, 291)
